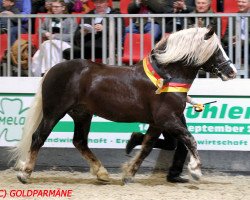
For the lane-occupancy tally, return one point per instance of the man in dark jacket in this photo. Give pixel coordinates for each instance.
(85, 30)
(8, 8)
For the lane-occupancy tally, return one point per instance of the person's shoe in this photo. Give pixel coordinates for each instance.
(135, 139)
(177, 179)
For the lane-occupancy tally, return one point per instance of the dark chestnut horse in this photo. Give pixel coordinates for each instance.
(153, 91)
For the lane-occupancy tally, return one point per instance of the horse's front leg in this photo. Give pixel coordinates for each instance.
(130, 168)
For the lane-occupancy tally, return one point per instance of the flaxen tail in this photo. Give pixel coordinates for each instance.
(34, 116)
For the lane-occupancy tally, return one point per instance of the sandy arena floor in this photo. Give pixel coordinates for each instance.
(84, 186)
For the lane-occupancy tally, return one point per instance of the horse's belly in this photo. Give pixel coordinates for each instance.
(119, 111)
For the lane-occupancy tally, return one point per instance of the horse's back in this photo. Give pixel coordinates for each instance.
(77, 79)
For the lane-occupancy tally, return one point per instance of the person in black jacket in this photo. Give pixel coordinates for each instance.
(178, 7)
(147, 7)
(85, 30)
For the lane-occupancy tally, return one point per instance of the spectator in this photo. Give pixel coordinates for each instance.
(101, 7)
(81, 6)
(57, 33)
(178, 6)
(146, 7)
(8, 8)
(24, 6)
(69, 5)
(244, 7)
(41, 6)
(203, 6)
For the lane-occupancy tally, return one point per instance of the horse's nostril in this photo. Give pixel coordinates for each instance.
(232, 74)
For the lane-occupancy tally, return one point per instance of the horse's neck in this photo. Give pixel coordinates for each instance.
(179, 71)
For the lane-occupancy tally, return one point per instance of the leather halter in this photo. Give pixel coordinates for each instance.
(217, 69)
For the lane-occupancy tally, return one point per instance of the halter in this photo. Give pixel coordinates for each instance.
(217, 70)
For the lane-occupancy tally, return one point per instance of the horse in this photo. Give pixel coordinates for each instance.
(153, 91)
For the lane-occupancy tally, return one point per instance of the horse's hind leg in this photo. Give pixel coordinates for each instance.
(129, 169)
(38, 138)
(80, 140)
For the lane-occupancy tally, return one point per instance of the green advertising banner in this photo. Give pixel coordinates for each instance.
(223, 125)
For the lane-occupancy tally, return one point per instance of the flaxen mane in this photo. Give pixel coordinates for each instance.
(187, 45)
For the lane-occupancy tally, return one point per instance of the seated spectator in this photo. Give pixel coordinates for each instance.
(178, 6)
(203, 6)
(38, 7)
(7, 8)
(101, 7)
(45, 7)
(24, 6)
(50, 52)
(146, 7)
(81, 6)
(244, 7)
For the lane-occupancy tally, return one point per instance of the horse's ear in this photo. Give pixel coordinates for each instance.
(161, 45)
(210, 33)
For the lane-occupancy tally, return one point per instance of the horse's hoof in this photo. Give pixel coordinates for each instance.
(103, 175)
(23, 177)
(103, 178)
(195, 174)
(127, 180)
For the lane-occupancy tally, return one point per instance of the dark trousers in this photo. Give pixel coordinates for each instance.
(170, 143)
(180, 152)
(77, 53)
(87, 45)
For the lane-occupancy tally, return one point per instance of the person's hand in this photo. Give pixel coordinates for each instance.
(98, 27)
(200, 22)
(179, 5)
(234, 40)
(85, 31)
(198, 107)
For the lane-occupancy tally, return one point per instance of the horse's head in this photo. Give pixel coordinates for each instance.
(219, 63)
(196, 48)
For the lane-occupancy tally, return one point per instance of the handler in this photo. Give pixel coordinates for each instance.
(169, 143)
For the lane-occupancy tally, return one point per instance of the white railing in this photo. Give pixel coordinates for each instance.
(113, 38)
